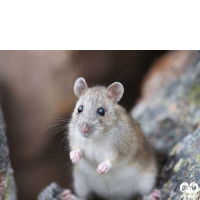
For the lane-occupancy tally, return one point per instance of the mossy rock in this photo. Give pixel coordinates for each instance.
(182, 166)
(173, 111)
(8, 189)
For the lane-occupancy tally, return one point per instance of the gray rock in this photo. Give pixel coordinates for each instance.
(173, 111)
(169, 117)
(7, 183)
(51, 192)
(183, 165)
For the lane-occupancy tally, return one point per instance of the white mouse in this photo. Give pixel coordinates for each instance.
(111, 154)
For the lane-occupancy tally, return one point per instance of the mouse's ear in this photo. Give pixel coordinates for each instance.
(115, 91)
(80, 87)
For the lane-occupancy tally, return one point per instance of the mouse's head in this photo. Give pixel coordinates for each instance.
(95, 113)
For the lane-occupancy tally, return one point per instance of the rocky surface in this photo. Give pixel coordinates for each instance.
(183, 165)
(7, 184)
(169, 108)
(51, 192)
(169, 113)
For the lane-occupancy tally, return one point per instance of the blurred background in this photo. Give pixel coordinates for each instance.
(37, 99)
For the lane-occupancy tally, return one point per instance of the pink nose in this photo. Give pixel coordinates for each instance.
(85, 128)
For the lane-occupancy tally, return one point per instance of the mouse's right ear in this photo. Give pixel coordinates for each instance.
(115, 91)
(80, 87)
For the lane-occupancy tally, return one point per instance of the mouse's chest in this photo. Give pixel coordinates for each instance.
(96, 152)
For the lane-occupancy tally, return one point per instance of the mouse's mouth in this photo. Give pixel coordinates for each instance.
(86, 136)
(85, 130)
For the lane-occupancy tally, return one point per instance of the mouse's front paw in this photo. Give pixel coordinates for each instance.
(75, 156)
(104, 167)
(66, 195)
(155, 195)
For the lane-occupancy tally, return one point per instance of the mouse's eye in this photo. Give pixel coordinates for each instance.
(101, 112)
(80, 109)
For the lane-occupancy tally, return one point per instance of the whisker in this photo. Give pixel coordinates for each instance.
(59, 129)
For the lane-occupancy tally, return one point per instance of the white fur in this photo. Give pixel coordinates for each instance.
(123, 180)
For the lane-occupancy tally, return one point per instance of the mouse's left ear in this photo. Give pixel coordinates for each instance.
(80, 87)
(115, 91)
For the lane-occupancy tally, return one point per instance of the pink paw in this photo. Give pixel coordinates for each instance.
(154, 195)
(66, 195)
(75, 156)
(103, 167)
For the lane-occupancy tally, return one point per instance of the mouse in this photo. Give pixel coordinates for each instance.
(111, 155)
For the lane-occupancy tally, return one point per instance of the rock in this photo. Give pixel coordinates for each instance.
(169, 113)
(169, 108)
(51, 192)
(183, 165)
(7, 184)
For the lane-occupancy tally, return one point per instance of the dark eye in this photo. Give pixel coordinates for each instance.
(80, 109)
(101, 112)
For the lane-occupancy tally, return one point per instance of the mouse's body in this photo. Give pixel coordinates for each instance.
(112, 157)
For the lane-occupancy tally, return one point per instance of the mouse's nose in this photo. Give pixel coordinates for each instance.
(85, 128)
